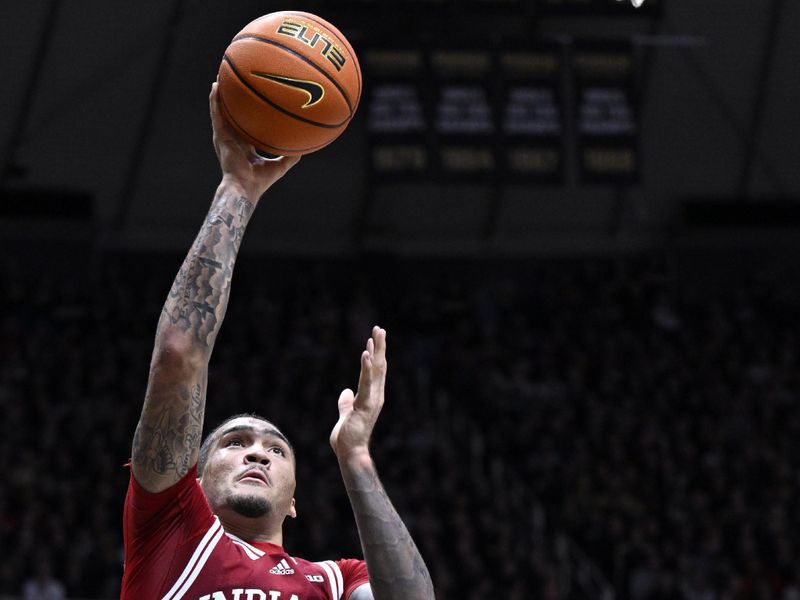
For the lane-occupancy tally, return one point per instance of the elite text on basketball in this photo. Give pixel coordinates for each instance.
(328, 50)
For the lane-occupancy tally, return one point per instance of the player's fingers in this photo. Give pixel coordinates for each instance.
(365, 377)
(213, 102)
(379, 341)
(272, 166)
(379, 365)
(287, 162)
(222, 131)
(291, 160)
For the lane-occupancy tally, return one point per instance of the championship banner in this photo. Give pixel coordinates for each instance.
(532, 124)
(395, 102)
(605, 115)
(463, 119)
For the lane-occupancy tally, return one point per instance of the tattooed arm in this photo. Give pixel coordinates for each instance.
(168, 436)
(395, 566)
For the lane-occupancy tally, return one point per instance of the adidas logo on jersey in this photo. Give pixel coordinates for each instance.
(282, 568)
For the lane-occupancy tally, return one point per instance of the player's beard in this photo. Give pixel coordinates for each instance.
(250, 506)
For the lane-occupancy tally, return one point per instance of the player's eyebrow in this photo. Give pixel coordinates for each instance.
(249, 428)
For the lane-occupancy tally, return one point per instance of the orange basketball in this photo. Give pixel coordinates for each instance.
(289, 83)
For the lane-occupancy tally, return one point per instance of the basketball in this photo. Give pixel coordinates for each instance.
(289, 83)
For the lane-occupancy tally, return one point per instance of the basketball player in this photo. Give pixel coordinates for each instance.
(206, 523)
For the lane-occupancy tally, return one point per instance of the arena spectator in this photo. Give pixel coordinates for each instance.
(651, 420)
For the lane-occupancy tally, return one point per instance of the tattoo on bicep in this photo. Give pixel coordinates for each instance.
(199, 294)
(166, 442)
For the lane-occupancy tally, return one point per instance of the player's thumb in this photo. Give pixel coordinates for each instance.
(346, 400)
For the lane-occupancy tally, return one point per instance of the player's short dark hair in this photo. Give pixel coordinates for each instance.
(205, 447)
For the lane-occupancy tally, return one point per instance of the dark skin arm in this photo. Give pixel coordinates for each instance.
(167, 439)
(396, 568)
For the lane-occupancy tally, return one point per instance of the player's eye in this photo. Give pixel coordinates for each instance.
(233, 442)
(278, 450)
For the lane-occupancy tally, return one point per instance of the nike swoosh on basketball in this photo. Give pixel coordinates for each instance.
(314, 90)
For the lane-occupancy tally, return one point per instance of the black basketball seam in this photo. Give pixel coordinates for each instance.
(306, 60)
(242, 131)
(342, 40)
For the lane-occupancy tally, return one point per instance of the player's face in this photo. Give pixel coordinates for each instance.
(250, 470)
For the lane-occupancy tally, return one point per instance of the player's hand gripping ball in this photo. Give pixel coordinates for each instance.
(289, 83)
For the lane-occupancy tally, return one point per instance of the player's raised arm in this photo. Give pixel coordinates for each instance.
(168, 435)
(396, 568)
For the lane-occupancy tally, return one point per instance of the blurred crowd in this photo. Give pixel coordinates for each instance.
(649, 419)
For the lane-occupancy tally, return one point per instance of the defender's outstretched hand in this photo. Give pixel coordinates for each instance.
(239, 162)
(358, 413)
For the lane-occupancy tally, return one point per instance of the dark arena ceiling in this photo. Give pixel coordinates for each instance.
(105, 136)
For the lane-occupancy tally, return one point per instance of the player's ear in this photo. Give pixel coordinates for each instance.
(293, 510)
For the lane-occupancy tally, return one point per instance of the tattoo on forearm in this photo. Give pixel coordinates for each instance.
(167, 440)
(199, 295)
(168, 437)
(396, 568)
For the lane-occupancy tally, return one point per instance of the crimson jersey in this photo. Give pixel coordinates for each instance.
(175, 547)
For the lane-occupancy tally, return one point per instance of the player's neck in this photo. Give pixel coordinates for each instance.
(253, 530)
